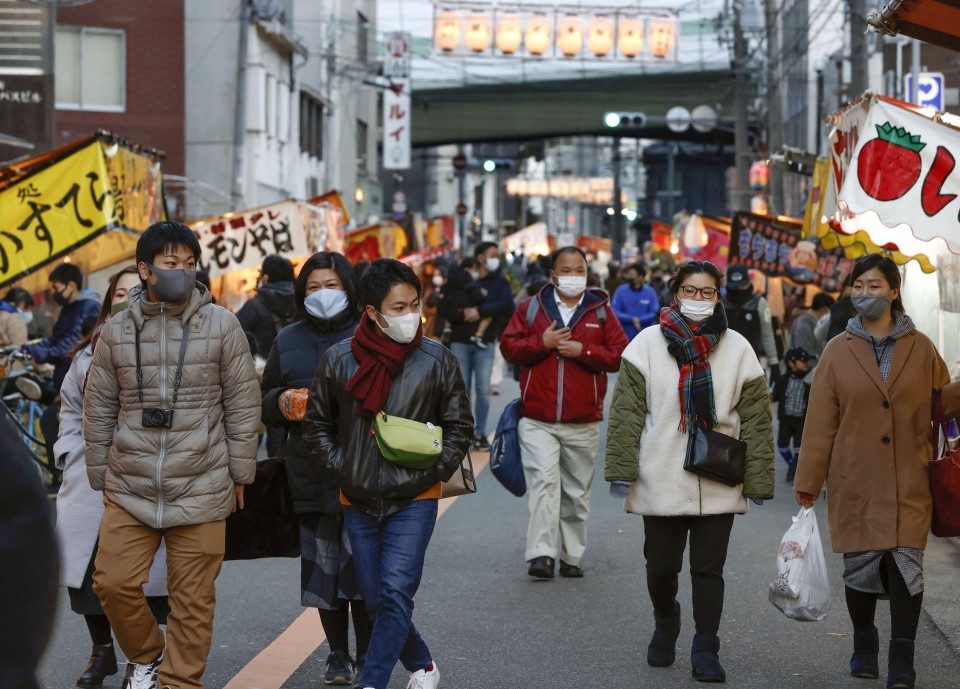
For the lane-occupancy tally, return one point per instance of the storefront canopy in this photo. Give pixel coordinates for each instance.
(894, 171)
(86, 202)
(933, 21)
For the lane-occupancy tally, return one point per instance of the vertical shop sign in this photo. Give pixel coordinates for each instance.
(396, 102)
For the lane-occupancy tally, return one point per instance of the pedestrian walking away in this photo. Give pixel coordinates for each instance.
(867, 437)
(388, 370)
(635, 303)
(566, 339)
(328, 301)
(476, 352)
(690, 374)
(171, 413)
(80, 508)
(748, 313)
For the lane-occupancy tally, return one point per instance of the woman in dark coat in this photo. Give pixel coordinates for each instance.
(326, 296)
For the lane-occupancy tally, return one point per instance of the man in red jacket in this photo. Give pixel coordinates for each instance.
(566, 339)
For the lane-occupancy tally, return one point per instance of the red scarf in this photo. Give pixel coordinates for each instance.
(379, 360)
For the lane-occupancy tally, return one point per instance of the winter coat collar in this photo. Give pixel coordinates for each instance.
(593, 298)
(141, 309)
(858, 340)
(903, 325)
(332, 325)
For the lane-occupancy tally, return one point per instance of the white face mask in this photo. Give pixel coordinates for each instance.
(697, 310)
(438, 281)
(571, 285)
(27, 316)
(326, 303)
(473, 274)
(493, 264)
(401, 329)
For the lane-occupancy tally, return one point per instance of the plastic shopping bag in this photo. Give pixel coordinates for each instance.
(801, 589)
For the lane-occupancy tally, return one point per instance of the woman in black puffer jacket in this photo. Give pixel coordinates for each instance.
(326, 296)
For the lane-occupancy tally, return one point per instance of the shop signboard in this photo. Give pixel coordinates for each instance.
(396, 102)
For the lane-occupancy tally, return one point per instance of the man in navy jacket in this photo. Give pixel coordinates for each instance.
(635, 303)
(77, 312)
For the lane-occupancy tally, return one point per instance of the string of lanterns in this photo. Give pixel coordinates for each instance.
(590, 190)
(467, 28)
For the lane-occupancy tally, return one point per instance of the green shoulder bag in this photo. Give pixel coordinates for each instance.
(408, 443)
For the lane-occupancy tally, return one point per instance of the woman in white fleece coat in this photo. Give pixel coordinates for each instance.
(647, 443)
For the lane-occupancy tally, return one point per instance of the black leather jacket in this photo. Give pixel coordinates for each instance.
(430, 390)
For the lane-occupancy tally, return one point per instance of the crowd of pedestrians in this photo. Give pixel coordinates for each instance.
(372, 412)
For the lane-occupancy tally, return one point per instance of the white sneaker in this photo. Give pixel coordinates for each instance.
(142, 676)
(421, 679)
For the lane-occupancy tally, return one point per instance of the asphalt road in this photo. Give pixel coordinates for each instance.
(490, 626)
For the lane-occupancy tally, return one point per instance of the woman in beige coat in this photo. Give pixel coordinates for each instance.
(867, 435)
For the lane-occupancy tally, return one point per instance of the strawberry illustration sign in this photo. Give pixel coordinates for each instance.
(898, 174)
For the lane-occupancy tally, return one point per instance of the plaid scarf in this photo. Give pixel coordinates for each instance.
(690, 345)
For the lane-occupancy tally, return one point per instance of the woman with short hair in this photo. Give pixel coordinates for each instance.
(690, 373)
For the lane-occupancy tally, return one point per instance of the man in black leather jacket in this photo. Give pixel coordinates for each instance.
(390, 510)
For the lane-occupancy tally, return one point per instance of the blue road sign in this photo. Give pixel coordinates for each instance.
(929, 91)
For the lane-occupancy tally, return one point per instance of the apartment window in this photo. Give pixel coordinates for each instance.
(311, 126)
(361, 144)
(90, 68)
(363, 37)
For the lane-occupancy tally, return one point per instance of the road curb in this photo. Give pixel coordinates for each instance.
(941, 564)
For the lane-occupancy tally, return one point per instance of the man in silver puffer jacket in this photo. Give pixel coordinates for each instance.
(171, 434)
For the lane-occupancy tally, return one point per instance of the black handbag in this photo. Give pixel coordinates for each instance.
(267, 525)
(716, 456)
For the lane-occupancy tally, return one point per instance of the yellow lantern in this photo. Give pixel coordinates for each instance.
(600, 36)
(662, 36)
(570, 35)
(446, 30)
(630, 39)
(539, 34)
(478, 32)
(509, 33)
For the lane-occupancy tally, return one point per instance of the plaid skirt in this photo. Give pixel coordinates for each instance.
(328, 579)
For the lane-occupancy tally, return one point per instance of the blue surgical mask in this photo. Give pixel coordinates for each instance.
(326, 303)
(27, 316)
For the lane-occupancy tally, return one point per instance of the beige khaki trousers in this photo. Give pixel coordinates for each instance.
(194, 554)
(559, 460)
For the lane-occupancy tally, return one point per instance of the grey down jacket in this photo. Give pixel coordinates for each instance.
(185, 474)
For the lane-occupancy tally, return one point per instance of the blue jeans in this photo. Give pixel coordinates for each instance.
(476, 365)
(389, 554)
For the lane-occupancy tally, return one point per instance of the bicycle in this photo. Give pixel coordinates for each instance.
(24, 392)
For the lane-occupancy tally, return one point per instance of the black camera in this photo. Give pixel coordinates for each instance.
(158, 417)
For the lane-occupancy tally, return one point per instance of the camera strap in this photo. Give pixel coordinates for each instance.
(178, 376)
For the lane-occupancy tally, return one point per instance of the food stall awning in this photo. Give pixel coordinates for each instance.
(894, 169)
(933, 21)
(86, 202)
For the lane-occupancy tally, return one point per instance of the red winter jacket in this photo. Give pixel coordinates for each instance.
(558, 390)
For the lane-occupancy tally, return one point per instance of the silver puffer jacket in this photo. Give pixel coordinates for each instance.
(185, 474)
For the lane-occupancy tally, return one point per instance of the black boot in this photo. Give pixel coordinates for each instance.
(865, 661)
(662, 650)
(103, 663)
(705, 659)
(900, 672)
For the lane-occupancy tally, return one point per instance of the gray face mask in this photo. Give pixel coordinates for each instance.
(173, 285)
(872, 308)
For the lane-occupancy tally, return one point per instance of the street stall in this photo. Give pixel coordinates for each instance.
(85, 202)
(235, 244)
(385, 239)
(706, 238)
(530, 242)
(933, 21)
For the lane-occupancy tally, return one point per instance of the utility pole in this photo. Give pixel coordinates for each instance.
(617, 204)
(774, 114)
(741, 98)
(859, 80)
(240, 107)
(915, 71)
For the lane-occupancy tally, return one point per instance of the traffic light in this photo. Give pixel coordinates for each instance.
(625, 120)
(494, 164)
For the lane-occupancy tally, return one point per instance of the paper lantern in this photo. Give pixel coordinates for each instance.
(479, 32)
(600, 36)
(509, 33)
(570, 35)
(446, 32)
(630, 38)
(661, 36)
(539, 34)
